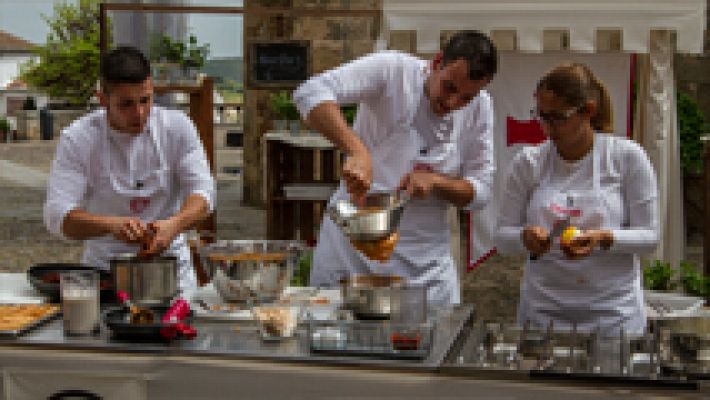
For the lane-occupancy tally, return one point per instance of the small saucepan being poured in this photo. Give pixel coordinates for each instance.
(372, 228)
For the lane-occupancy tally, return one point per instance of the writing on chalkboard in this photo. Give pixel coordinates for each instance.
(279, 63)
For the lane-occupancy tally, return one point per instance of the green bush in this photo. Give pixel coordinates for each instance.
(694, 283)
(691, 126)
(302, 273)
(658, 276)
(283, 107)
(4, 125)
(163, 48)
(349, 112)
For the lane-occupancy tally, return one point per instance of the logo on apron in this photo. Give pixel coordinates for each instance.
(139, 204)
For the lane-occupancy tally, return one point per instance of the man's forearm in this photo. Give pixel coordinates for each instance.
(457, 191)
(327, 119)
(80, 225)
(193, 211)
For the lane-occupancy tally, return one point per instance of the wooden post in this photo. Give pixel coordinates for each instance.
(706, 226)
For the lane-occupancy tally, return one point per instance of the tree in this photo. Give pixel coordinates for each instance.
(68, 66)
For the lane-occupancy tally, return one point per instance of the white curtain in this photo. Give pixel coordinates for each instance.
(656, 129)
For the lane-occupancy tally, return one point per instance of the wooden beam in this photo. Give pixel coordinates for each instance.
(314, 12)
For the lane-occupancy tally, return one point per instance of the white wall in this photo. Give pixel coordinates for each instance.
(10, 67)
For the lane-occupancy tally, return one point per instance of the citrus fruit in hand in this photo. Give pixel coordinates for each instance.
(568, 235)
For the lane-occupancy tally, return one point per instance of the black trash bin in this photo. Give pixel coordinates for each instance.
(46, 124)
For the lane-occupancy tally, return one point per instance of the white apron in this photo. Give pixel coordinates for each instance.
(142, 194)
(600, 291)
(423, 254)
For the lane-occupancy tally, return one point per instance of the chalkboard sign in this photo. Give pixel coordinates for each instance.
(284, 63)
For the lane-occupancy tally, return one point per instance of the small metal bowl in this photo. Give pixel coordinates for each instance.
(378, 219)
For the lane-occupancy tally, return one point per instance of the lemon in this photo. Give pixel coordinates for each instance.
(569, 234)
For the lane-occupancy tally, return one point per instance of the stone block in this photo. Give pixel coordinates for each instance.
(357, 28)
(403, 41)
(326, 54)
(357, 48)
(310, 28)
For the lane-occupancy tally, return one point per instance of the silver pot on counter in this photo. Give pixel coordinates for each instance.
(146, 281)
(384, 297)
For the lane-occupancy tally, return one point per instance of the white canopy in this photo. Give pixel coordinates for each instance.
(530, 18)
(645, 27)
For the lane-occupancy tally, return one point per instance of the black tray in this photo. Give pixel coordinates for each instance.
(122, 329)
(45, 279)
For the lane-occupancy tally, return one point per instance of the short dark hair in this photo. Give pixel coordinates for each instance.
(477, 49)
(123, 64)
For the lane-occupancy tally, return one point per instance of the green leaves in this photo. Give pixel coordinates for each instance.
(164, 49)
(349, 112)
(691, 126)
(283, 107)
(694, 283)
(68, 66)
(303, 271)
(659, 275)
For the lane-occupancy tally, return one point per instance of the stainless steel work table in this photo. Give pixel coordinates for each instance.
(242, 340)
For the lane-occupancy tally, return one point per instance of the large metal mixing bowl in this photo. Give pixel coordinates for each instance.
(251, 270)
(377, 220)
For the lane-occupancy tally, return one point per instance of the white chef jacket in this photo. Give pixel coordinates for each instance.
(603, 290)
(389, 90)
(94, 164)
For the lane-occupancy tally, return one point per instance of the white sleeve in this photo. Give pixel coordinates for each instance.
(68, 183)
(478, 163)
(193, 170)
(513, 204)
(640, 194)
(346, 84)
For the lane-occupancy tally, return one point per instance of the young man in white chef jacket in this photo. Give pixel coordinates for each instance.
(129, 174)
(425, 127)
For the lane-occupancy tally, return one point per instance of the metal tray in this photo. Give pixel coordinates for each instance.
(32, 325)
(371, 339)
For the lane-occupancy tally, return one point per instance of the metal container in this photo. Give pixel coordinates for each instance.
(253, 271)
(369, 296)
(378, 219)
(146, 281)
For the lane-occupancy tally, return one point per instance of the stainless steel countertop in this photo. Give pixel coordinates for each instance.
(242, 341)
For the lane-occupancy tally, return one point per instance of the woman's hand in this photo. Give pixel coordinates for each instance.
(584, 243)
(536, 239)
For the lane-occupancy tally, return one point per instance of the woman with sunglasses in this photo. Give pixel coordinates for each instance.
(600, 183)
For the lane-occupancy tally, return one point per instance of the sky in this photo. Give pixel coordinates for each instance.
(23, 18)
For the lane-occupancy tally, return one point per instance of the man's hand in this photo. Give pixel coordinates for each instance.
(420, 184)
(357, 173)
(129, 230)
(536, 239)
(162, 234)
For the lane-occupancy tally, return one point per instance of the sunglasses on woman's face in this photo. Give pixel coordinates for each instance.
(554, 117)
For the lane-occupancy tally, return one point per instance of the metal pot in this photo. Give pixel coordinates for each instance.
(369, 296)
(146, 281)
(377, 220)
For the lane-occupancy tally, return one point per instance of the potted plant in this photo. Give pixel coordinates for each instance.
(166, 56)
(194, 58)
(285, 112)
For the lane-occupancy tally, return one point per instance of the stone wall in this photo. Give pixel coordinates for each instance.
(334, 40)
